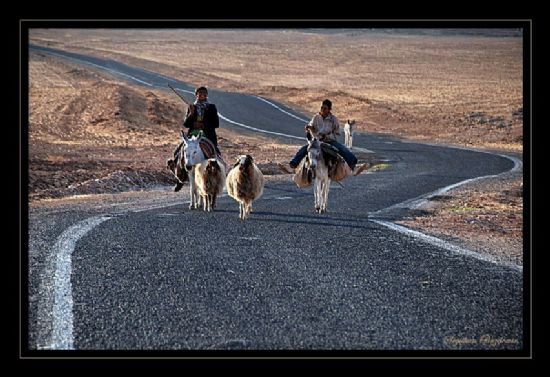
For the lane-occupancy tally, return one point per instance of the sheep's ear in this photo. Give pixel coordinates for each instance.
(183, 137)
(249, 157)
(349, 122)
(353, 121)
(237, 163)
(309, 136)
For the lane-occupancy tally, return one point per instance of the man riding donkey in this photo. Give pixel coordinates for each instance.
(325, 127)
(201, 118)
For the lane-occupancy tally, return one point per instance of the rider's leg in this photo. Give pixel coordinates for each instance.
(346, 154)
(298, 157)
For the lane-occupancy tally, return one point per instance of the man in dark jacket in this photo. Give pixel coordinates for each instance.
(202, 116)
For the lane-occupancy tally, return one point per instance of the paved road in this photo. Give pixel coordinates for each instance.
(150, 274)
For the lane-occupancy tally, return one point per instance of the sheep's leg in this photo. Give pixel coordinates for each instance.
(209, 197)
(204, 202)
(241, 211)
(213, 203)
(192, 189)
(350, 141)
(248, 209)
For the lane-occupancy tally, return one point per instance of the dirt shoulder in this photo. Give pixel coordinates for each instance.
(90, 134)
(485, 216)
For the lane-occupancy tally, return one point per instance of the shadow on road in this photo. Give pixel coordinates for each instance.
(311, 220)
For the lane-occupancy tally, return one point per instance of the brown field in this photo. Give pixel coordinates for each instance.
(89, 133)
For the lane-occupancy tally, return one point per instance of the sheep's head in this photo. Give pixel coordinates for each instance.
(212, 166)
(244, 161)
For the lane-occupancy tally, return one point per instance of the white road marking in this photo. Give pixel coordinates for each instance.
(188, 91)
(417, 202)
(99, 66)
(281, 110)
(359, 149)
(259, 129)
(446, 245)
(62, 311)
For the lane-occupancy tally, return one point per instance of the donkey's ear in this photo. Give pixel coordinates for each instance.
(309, 135)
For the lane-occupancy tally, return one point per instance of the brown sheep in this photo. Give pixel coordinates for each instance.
(210, 181)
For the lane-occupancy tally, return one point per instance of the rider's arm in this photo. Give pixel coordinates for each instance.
(336, 126)
(189, 117)
(214, 119)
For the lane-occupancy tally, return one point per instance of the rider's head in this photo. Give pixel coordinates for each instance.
(326, 106)
(201, 89)
(201, 93)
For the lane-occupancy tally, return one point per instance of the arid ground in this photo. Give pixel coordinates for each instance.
(91, 134)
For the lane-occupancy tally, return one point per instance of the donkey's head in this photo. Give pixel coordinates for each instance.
(314, 155)
(192, 153)
(349, 124)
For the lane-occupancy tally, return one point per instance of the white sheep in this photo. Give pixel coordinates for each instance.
(245, 183)
(210, 181)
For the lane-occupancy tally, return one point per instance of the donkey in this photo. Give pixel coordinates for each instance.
(349, 130)
(191, 155)
(320, 163)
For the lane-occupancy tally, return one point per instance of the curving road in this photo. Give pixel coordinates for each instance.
(150, 274)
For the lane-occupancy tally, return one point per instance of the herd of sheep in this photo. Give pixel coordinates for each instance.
(244, 182)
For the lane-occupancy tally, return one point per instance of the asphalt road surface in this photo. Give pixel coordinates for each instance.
(149, 274)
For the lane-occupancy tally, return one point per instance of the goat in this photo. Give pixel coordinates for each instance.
(210, 181)
(245, 183)
(348, 133)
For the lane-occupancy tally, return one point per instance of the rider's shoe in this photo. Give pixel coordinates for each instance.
(171, 164)
(358, 169)
(178, 186)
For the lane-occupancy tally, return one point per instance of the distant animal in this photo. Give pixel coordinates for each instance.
(245, 183)
(349, 130)
(210, 181)
(192, 154)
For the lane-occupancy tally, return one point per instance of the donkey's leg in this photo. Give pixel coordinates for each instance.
(196, 197)
(326, 188)
(192, 190)
(321, 195)
(317, 193)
